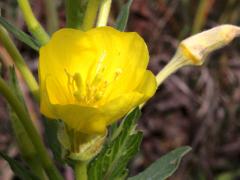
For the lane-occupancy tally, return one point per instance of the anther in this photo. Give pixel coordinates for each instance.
(69, 81)
(117, 73)
(98, 95)
(78, 80)
(78, 96)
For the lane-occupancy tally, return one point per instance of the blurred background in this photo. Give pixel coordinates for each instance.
(199, 106)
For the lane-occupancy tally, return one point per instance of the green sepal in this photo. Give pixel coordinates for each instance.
(79, 146)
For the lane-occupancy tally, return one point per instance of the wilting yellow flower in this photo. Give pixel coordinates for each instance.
(91, 79)
(195, 49)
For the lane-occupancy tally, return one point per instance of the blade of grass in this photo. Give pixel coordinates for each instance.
(20, 35)
(75, 11)
(201, 15)
(19, 62)
(122, 18)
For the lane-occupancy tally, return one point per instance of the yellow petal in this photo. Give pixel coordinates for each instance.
(57, 93)
(125, 51)
(83, 119)
(67, 52)
(45, 106)
(118, 107)
(148, 85)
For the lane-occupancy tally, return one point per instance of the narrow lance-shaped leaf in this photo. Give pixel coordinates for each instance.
(75, 11)
(19, 34)
(111, 163)
(122, 18)
(164, 167)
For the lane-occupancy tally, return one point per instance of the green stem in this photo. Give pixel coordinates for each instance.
(23, 116)
(33, 163)
(104, 13)
(20, 63)
(52, 16)
(175, 63)
(81, 170)
(25, 145)
(33, 25)
(201, 16)
(75, 12)
(90, 15)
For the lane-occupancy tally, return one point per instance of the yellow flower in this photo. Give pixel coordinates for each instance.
(91, 79)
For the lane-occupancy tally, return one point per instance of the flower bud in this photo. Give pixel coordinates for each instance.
(195, 49)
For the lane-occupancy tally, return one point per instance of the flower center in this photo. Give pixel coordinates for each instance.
(90, 91)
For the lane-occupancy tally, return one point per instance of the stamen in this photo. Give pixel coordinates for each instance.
(78, 96)
(80, 93)
(77, 79)
(69, 82)
(98, 95)
(100, 61)
(93, 91)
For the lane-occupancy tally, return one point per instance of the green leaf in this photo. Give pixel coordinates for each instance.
(164, 167)
(75, 11)
(18, 168)
(111, 163)
(51, 130)
(20, 35)
(122, 18)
